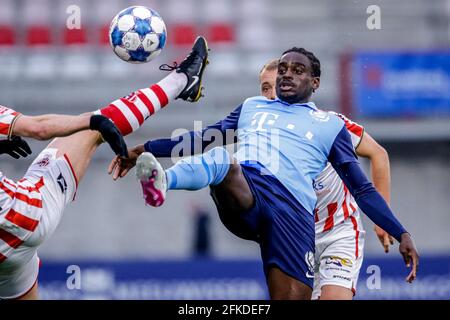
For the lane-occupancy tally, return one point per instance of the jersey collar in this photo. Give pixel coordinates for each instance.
(309, 104)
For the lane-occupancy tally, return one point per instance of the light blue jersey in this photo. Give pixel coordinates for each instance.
(290, 144)
(292, 141)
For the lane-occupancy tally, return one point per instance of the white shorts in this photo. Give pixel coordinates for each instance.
(18, 273)
(339, 255)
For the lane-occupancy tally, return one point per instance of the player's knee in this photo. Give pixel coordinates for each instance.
(222, 160)
(233, 193)
(234, 172)
(237, 183)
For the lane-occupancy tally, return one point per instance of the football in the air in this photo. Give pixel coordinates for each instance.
(137, 34)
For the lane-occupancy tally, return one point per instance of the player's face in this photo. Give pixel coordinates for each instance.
(267, 80)
(295, 82)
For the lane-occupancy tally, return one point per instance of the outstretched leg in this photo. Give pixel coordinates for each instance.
(125, 112)
(234, 199)
(130, 112)
(213, 168)
(185, 83)
(65, 161)
(78, 150)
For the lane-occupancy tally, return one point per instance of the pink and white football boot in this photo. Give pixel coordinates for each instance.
(152, 177)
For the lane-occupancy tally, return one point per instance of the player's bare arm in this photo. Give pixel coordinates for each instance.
(381, 177)
(48, 126)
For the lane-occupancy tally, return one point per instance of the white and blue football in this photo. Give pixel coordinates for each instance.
(137, 34)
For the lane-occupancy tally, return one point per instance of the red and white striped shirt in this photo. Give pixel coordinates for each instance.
(20, 203)
(7, 118)
(20, 212)
(334, 202)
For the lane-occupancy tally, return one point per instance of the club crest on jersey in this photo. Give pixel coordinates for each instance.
(320, 115)
(44, 161)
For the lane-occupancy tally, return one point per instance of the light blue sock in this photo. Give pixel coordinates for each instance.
(197, 172)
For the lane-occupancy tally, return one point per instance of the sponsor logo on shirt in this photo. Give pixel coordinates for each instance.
(336, 276)
(317, 185)
(340, 262)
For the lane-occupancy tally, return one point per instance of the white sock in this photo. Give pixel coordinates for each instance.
(173, 84)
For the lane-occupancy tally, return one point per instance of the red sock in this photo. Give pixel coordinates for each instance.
(130, 112)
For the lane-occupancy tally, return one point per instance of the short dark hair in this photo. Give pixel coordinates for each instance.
(315, 63)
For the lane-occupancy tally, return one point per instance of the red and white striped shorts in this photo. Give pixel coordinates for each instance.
(31, 209)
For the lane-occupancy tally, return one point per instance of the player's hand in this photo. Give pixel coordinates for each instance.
(110, 134)
(410, 255)
(385, 239)
(15, 147)
(120, 166)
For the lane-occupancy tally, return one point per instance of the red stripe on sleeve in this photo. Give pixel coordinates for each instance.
(4, 128)
(2, 258)
(354, 128)
(10, 239)
(351, 126)
(162, 97)
(21, 220)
